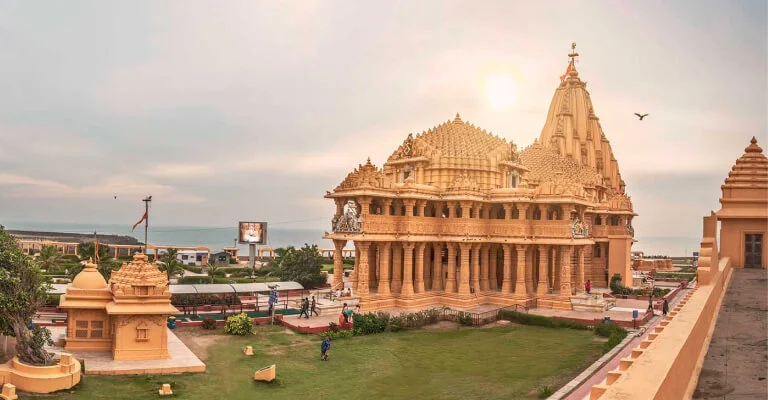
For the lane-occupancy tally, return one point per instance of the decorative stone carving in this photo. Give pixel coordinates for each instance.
(464, 182)
(579, 230)
(365, 175)
(349, 221)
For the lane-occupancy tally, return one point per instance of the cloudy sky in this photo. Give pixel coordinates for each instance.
(226, 111)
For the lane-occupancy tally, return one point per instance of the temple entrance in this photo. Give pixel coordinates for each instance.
(753, 250)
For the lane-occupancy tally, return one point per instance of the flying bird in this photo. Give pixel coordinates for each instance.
(641, 116)
(115, 197)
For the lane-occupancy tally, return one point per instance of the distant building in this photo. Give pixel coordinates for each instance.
(220, 258)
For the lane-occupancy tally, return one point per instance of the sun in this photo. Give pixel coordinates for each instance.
(500, 90)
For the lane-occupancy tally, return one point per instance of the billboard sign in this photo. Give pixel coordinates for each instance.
(252, 232)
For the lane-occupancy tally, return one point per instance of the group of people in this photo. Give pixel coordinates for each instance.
(346, 314)
(308, 308)
(340, 293)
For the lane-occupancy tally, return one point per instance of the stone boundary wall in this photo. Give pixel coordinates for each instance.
(668, 362)
(42, 379)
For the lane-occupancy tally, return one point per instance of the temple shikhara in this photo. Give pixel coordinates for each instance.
(126, 315)
(458, 216)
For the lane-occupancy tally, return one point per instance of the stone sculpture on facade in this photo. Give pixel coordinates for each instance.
(349, 221)
(578, 229)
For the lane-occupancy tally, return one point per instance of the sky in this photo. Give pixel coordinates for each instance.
(251, 110)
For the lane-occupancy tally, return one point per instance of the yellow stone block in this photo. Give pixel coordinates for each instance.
(9, 392)
(248, 350)
(266, 374)
(165, 390)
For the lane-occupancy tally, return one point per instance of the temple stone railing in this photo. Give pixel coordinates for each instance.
(431, 226)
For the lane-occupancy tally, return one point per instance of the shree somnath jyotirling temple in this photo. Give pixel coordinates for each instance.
(458, 216)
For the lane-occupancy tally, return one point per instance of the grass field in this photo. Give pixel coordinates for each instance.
(503, 362)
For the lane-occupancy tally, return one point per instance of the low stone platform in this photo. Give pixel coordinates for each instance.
(101, 363)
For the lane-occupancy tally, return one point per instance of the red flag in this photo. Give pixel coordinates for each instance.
(570, 65)
(143, 217)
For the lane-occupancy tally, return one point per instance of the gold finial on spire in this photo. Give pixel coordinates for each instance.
(573, 54)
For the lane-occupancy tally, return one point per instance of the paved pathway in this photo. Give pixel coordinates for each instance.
(736, 365)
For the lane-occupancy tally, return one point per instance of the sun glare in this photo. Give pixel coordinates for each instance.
(500, 90)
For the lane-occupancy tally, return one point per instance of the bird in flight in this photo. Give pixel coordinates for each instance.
(641, 116)
(115, 197)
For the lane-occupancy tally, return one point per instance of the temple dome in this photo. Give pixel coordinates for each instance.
(456, 138)
(89, 278)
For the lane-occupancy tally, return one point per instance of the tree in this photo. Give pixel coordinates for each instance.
(22, 292)
(300, 265)
(49, 257)
(105, 262)
(170, 264)
(212, 270)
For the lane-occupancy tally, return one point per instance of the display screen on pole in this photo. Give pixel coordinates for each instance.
(252, 232)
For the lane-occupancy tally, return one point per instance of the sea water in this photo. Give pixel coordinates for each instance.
(217, 238)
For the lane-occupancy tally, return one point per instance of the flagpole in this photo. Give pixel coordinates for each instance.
(146, 221)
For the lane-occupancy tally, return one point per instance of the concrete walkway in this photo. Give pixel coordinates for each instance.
(736, 365)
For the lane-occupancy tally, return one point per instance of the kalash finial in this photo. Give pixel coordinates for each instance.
(573, 54)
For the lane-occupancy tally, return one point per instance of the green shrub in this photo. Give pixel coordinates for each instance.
(209, 323)
(614, 339)
(544, 391)
(345, 334)
(396, 323)
(465, 319)
(540, 320)
(240, 325)
(605, 329)
(193, 268)
(370, 323)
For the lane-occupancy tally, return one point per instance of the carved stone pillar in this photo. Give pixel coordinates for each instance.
(565, 270)
(338, 264)
(451, 206)
(386, 206)
(365, 205)
(373, 265)
(384, 280)
(530, 261)
(464, 268)
(580, 250)
(419, 279)
(437, 266)
(466, 206)
(507, 210)
(484, 250)
(362, 275)
(520, 281)
(427, 266)
(450, 282)
(339, 206)
(421, 205)
(356, 269)
(475, 275)
(541, 287)
(407, 289)
(493, 283)
(522, 210)
(506, 283)
(397, 267)
(409, 204)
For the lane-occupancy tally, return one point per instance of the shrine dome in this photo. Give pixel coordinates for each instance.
(89, 278)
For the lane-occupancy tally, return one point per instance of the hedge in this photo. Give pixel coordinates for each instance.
(540, 320)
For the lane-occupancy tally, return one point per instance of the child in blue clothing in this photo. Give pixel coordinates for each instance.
(324, 347)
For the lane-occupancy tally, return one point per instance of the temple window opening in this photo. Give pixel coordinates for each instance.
(514, 178)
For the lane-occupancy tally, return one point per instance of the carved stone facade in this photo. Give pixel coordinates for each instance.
(457, 216)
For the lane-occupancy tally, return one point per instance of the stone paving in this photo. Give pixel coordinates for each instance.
(736, 364)
(101, 363)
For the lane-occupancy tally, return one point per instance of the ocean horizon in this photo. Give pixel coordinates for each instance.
(217, 238)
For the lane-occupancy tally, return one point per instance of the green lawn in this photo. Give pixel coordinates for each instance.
(505, 362)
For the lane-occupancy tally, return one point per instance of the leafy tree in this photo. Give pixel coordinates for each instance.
(170, 264)
(49, 257)
(22, 292)
(300, 265)
(212, 270)
(106, 263)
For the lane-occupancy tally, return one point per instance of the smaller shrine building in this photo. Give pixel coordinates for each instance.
(126, 315)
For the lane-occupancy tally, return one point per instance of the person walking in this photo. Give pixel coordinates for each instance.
(665, 307)
(324, 347)
(304, 308)
(650, 303)
(588, 286)
(313, 306)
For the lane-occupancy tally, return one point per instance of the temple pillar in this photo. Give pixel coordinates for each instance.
(373, 265)
(427, 266)
(450, 281)
(541, 287)
(530, 259)
(362, 275)
(421, 206)
(580, 250)
(565, 270)
(386, 206)
(338, 264)
(506, 283)
(466, 206)
(492, 268)
(507, 210)
(407, 289)
(520, 279)
(437, 267)
(451, 206)
(419, 279)
(365, 205)
(484, 250)
(384, 257)
(464, 267)
(397, 267)
(475, 275)
(409, 204)
(356, 268)
(522, 210)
